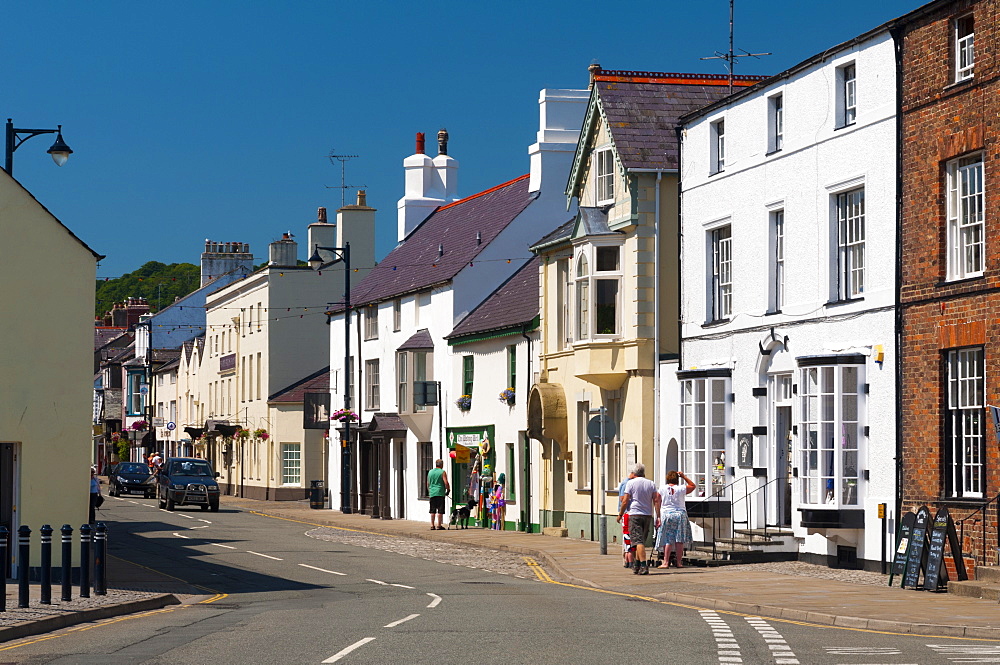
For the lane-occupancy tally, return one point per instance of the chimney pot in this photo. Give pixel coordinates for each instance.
(420, 143)
(593, 69)
(479, 237)
(443, 141)
(321, 215)
(362, 198)
(440, 250)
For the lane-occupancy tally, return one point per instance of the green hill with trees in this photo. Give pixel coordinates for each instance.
(160, 284)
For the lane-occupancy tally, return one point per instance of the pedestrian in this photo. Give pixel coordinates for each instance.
(675, 530)
(627, 549)
(96, 498)
(437, 489)
(641, 501)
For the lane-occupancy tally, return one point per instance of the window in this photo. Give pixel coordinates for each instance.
(584, 450)
(512, 366)
(597, 292)
(350, 381)
(371, 385)
(850, 244)
(510, 488)
(778, 260)
(397, 315)
(776, 123)
(371, 322)
(718, 148)
(829, 452)
(605, 176)
(425, 462)
(420, 374)
(964, 453)
(722, 273)
(291, 464)
(582, 298)
(259, 373)
(401, 384)
(847, 98)
(564, 299)
(468, 367)
(704, 425)
(965, 217)
(135, 401)
(965, 54)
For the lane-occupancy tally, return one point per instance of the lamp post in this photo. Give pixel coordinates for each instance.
(15, 137)
(315, 262)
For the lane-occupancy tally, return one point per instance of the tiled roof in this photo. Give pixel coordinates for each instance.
(561, 234)
(385, 422)
(415, 264)
(593, 222)
(104, 334)
(418, 340)
(317, 382)
(515, 303)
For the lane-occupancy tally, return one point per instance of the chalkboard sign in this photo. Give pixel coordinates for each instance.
(936, 572)
(902, 545)
(916, 557)
(956, 551)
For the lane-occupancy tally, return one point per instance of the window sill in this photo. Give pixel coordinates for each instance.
(845, 126)
(772, 152)
(959, 84)
(962, 501)
(606, 202)
(715, 323)
(772, 312)
(956, 282)
(844, 301)
(585, 490)
(712, 173)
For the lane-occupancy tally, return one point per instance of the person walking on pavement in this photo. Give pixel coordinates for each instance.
(627, 549)
(96, 499)
(675, 531)
(437, 488)
(641, 501)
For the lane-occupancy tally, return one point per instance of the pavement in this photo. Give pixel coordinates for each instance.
(568, 561)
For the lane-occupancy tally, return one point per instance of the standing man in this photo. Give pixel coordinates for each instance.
(640, 501)
(627, 549)
(437, 488)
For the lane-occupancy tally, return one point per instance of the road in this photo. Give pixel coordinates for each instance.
(279, 591)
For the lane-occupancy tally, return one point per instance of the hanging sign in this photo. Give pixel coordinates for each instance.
(461, 454)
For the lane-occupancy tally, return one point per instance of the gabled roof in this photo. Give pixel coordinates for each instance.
(418, 340)
(97, 256)
(317, 382)
(416, 264)
(512, 307)
(104, 334)
(641, 110)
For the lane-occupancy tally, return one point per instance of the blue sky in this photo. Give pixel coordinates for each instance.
(195, 120)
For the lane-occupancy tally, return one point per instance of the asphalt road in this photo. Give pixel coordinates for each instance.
(270, 593)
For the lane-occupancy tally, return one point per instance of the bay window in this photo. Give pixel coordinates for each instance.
(598, 291)
(704, 429)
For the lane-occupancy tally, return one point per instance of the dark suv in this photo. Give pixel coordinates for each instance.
(188, 481)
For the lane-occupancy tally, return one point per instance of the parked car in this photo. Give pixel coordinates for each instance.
(131, 478)
(188, 481)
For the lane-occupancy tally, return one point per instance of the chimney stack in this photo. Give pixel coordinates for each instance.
(593, 69)
(321, 215)
(420, 143)
(443, 141)
(362, 198)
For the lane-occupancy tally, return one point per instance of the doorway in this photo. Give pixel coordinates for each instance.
(401, 478)
(780, 445)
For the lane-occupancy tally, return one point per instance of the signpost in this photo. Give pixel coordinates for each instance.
(601, 430)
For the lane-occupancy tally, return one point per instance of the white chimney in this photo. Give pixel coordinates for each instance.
(560, 120)
(322, 234)
(283, 253)
(423, 190)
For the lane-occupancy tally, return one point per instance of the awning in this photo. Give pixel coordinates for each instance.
(547, 413)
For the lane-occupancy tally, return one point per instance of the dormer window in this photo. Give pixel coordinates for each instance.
(598, 302)
(965, 54)
(605, 177)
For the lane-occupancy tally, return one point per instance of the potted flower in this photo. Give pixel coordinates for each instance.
(464, 403)
(344, 416)
(139, 426)
(242, 434)
(261, 433)
(507, 396)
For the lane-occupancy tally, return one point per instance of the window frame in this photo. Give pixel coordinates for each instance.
(704, 431)
(468, 374)
(847, 80)
(371, 322)
(965, 424)
(851, 218)
(425, 462)
(604, 175)
(717, 131)
(397, 314)
(591, 288)
(776, 122)
(720, 273)
(420, 366)
(957, 213)
(402, 384)
(965, 47)
(372, 385)
(778, 282)
(512, 367)
(286, 467)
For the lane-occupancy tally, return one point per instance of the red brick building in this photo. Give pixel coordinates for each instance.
(950, 263)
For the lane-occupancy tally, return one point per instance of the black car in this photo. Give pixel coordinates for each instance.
(131, 478)
(188, 481)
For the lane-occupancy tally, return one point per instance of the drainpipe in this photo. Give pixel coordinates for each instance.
(527, 446)
(680, 245)
(656, 331)
(897, 39)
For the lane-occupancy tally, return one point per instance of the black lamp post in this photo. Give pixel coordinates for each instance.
(15, 137)
(315, 262)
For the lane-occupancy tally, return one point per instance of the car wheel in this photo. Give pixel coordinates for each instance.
(204, 507)
(215, 507)
(111, 491)
(170, 503)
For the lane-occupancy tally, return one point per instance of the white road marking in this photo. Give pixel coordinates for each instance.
(437, 599)
(378, 582)
(343, 652)
(402, 586)
(323, 570)
(204, 526)
(187, 517)
(266, 556)
(780, 651)
(863, 651)
(180, 536)
(205, 521)
(728, 649)
(403, 620)
(228, 547)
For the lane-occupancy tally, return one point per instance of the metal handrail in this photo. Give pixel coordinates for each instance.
(735, 501)
(981, 509)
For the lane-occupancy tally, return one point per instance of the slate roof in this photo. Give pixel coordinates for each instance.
(104, 334)
(415, 264)
(563, 233)
(593, 222)
(418, 340)
(317, 382)
(514, 304)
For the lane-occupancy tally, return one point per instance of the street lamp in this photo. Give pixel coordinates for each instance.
(15, 137)
(316, 262)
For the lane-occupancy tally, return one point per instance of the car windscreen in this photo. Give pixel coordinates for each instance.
(141, 469)
(190, 469)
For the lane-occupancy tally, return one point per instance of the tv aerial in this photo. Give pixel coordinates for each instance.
(343, 186)
(731, 57)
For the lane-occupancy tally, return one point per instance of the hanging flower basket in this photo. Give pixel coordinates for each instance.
(139, 426)
(464, 403)
(261, 434)
(242, 434)
(507, 396)
(344, 416)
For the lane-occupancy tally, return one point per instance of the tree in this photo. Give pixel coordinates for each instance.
(158, 283)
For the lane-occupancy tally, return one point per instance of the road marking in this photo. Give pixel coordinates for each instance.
(436, 601)
(343, 652)
(205, 521)
(981, 652)
(378, 582)
(266, 556)
(187, 517)
(323, 570)
(403, 620)
(538, 570)
(780, 651)
(863, 651)
(204, 526)
(228, 547)
(324, 526)
(402, 586)
(727, 649)
(180, 536)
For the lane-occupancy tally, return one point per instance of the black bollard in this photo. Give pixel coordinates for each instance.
(4, 535)
(23, 558)
(67, 562)
(46, 532)
(85, 561)
(100, 553)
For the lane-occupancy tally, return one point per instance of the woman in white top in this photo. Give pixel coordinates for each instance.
(675, 529)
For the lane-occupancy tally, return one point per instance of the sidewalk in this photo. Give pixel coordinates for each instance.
(768, 594)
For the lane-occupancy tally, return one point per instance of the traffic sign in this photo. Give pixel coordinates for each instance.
(171, 426)
(594, 429)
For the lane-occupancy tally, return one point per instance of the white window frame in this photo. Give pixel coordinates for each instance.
(584, 448)
(851, 233)
(397, 314)
(591, 288)
(564, 300)
(422, 360)
(965, 48)
(778, 281)
(402, 385)
(291, 463)
(966, 217)
(372, 397)
(848, 80)
(705, 432)
(965, 422)
(718, 146)
(776, 122)
(720, 276)
(831, 443)
(604, 175)
(371, 322)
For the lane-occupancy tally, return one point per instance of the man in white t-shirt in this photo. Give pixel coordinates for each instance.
(640, 501)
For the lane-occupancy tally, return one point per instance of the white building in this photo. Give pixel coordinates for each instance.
(786, 384)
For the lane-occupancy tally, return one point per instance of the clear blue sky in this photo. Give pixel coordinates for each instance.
(194, 120)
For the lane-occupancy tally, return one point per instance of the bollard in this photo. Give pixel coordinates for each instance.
(67, 562)
(85, 561)
(4, 534)
(23, 557)
(46, 532)
(100, 553)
